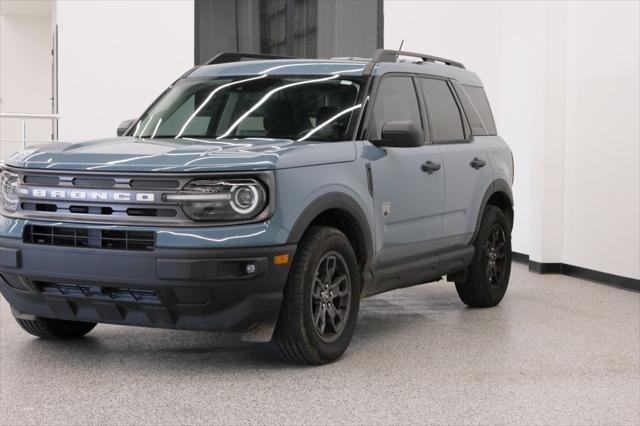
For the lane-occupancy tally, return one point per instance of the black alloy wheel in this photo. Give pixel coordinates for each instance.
(321, 299)
(487, 277)
(330, 296)
(496, 254)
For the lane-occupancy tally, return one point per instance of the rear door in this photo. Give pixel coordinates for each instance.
(408, 199)
(466, 167)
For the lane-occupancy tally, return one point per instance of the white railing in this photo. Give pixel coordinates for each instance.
(23, 125)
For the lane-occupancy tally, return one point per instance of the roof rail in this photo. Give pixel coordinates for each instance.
(226, 57)
(385, 55)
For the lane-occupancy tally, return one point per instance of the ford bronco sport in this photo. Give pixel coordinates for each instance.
(265, 197)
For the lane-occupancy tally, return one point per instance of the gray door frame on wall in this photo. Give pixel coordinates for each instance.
(54, 82)
(230, 15)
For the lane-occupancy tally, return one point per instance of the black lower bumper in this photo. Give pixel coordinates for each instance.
(236, 290)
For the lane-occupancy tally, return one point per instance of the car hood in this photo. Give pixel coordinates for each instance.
(181, 155)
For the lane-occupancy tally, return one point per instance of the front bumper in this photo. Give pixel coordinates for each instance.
(192, 289)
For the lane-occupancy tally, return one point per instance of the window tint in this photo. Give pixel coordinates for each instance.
(174, 120)
(481, 104)
(396, 101)
(443, 111)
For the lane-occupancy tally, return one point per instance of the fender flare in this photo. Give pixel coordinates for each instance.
(339, 201)
(498, 185)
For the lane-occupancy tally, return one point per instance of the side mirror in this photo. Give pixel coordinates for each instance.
(400, 134)
(124, 126)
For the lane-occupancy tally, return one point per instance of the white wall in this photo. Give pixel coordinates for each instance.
(562, 78)
(25, 70)
(602, 178)
(115, 58)
(471, 32)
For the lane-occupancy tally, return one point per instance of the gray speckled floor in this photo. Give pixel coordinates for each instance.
(557, 350)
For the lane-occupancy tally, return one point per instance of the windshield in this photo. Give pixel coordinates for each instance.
(316, 108)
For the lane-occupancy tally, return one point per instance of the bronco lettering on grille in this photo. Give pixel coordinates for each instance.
(74, 194)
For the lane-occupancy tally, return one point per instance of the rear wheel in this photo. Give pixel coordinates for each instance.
(321, 299)
(55, 329)
(488, 274)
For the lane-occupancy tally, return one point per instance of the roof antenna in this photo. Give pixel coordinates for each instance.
(399, 49)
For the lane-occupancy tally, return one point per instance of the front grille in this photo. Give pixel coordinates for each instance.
(109, 199)
(154, 184)
(94, 182)
(87, 197)
(101, 182)
(89, 238)
(98, 210)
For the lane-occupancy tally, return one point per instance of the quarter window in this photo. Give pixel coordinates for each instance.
(443, 112)
(481, 105)
(477, 126)
(396, 101)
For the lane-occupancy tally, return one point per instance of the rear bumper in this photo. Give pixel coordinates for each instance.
(201, 289)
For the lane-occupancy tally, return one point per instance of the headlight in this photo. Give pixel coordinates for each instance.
(9, 183)
(221, 200)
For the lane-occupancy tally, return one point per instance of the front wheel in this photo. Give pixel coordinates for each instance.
(321, 299)
(489, 271)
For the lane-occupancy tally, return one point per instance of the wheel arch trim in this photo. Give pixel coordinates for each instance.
(495, 187)
(335, 201)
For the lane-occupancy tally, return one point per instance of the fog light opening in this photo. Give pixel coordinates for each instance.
(250, 268)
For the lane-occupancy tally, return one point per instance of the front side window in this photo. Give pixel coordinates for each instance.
(396, 101)
(442, 109)
(316, 108)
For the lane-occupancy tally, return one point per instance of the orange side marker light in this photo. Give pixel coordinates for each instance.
(281, 259)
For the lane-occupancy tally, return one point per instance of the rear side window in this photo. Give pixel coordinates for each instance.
(476, 105)
(396, 101)
(442, 109)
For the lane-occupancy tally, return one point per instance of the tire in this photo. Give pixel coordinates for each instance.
(55, 329)
(489, 271)
(300, 336)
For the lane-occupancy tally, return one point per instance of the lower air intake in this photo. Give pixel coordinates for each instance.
(90, 238)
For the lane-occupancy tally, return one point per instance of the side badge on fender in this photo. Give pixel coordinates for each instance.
(386, 208)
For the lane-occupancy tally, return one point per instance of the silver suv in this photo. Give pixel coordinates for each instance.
(265, 197)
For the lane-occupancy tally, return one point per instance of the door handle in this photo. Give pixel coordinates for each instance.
(477, 163)
(430, 167)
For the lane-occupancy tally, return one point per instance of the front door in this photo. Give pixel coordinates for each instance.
(408, 187)
(408, 204)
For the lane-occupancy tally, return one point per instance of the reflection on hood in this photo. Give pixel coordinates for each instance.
(181, 155)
